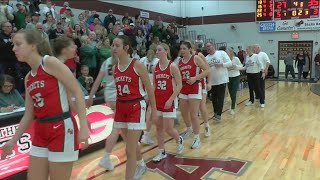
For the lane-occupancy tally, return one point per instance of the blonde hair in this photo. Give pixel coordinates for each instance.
(167, 49)
(34, 37)
(151, 53)
(84, 39)
(231, 54)
(251, 49)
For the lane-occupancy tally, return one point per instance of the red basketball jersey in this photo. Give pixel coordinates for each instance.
(203, 79)
(48, 94)
(188, 69)
(128, 83)
(163, 83)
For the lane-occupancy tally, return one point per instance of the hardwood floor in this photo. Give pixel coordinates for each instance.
(281, 141)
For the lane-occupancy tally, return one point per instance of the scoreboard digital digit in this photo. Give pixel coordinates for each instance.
(286, 9)
(295, 9)
(264, 10)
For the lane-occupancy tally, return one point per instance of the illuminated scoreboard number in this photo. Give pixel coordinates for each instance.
(295, 9)
(264, 10)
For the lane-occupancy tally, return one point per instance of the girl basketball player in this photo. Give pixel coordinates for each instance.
(166, 73)
(110, 93)
(55, 143)
(150, 62)
(205, 88)
(62, 48)
(131, 77)
(191, 92)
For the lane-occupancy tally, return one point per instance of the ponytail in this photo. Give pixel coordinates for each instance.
(34, 37)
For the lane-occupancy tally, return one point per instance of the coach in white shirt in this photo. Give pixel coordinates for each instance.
(264, 59)
(218, 61)
(254, 67)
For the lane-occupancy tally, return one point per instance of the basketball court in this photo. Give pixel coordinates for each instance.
(280, 141)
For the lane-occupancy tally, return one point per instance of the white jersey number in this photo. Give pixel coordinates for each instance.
(39, 101)
(185, 75)
(123, 89)
(162, 85)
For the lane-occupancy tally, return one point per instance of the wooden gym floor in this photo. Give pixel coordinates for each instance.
(281, 141)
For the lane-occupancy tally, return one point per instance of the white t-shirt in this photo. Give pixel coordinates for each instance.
(110, 92)
(219, 75)
(234, 70)
(253, 64)
(149, 66)
(263, 58)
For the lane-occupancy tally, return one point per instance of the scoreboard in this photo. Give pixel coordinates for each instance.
(268, 10)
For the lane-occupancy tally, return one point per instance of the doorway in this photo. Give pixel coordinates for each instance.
(295, 47)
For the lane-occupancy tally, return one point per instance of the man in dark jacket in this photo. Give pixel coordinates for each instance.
(109, 19)
(8, 61)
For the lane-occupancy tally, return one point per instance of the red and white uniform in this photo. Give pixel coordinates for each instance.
(189, 69)
(56, 139)
(203, 80)
(130, 105)
(164, 88)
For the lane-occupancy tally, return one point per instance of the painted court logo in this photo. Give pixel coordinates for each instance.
(179, 168)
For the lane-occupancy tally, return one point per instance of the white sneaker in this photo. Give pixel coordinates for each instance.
(146, 139)
(105, 163)
(186, 133)
(160, 156)
(206, 130)
(262, 105)
(249, 103)
(232, 112)
(196, 143)
(140, 170)
(180, 146)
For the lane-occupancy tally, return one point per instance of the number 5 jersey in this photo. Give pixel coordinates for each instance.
(48, 94)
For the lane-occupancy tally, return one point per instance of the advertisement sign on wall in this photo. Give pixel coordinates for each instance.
(100, 118)
(267, 26)
(290, 25)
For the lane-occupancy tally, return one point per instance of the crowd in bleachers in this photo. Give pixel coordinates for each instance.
(91, 32)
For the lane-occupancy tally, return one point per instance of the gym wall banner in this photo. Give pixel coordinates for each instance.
(100, 118)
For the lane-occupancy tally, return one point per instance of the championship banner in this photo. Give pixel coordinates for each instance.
(100, 119)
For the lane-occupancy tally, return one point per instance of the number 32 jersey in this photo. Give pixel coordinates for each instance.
(164, 87)
(128, 83)
(48, 94)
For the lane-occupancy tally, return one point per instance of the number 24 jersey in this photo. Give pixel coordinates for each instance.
(128, 83)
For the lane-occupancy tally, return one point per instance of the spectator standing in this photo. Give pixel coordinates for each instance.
(317, 67)
(5, 14)
(109, 19)
(35, 19)
(88, 55)
(306, 67)
(241, 54)
(288, 61)
(20, 16)
(63, 8)
(300, 62)
(49, 8)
